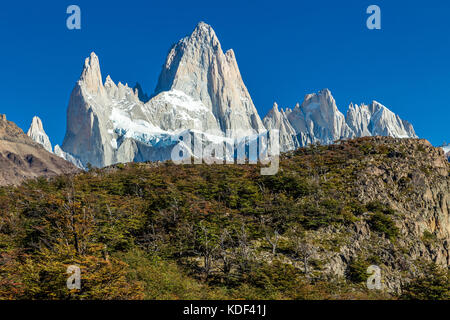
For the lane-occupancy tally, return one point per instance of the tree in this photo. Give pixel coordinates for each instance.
(433, 284)
(207, 247)
(302, 249)
(224, 245)
(273, 240)
(44, 276)
(244, 253)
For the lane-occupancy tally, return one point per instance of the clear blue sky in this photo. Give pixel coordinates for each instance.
(285, 49)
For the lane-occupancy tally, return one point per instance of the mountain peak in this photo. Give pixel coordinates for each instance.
(22, 158)
(323, 97)
(204, 29)
(325, 92)
(198, 67)
(203, 26)
(204, 34)
(91, 75)
(37, 133)
(36, 124)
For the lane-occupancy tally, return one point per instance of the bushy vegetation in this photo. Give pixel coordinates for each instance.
(146, 231)
(357, 270)
(434, 284)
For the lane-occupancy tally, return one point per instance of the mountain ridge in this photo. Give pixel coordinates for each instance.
(200, 88)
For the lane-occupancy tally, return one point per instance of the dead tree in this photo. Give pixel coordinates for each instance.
(227, 261)
(273, 241)
(302, 249)
(245, 252)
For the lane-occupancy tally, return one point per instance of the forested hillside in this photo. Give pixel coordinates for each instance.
(165, 231)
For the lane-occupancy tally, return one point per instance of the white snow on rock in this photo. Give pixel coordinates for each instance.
(319, 120)
(200, 89)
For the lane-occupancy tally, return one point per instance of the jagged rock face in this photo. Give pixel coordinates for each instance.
(87, 114)
(412, 178)
(21, 158)
(99, 117)
(377, 120)
(323, 120)
(174, 110)
(68, 157)
(197, 66)
(199, 89)
(358, 119)
(316, 120)
(422, 196)
(278, 119)
(140, 93)
(108, 123)
(37, 134)
(319, 120)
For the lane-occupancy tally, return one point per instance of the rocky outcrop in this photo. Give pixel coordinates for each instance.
(37, 134)
(412, 178)
(22, 158)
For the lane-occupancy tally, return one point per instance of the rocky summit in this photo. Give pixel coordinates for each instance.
(200, 89)
(197, 66)
(37, 133)
(318, 119)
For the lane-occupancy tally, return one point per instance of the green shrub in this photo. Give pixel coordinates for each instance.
(434, 284)
(357, 271)
(377, 206)
(382, 223)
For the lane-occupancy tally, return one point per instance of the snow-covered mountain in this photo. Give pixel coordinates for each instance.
(107, 123)
(319, 120)
(446, 148)
(377, 120)
(200, 89)
(279, 120)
